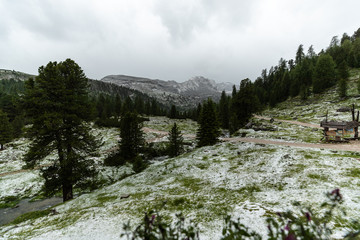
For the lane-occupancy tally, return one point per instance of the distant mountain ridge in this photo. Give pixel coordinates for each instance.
(12, 74)
(186, 94)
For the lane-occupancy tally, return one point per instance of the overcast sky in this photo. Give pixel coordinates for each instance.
(224, 40)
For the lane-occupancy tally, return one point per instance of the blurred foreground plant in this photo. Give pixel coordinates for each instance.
(303, 224)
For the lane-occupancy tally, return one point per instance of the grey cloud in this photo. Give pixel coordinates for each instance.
(225, 40)
(186, 18)
(181, 20)
(51, 20)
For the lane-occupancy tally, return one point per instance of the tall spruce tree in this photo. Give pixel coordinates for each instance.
(173, 112)
(209, 129)
(324, 73)
(246, 102)
(176, 142)
(342, 87)
(224, 110)
(5, 129)
(57, 103)
(132, 139)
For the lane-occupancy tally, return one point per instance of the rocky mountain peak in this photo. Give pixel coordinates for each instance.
(185, 94)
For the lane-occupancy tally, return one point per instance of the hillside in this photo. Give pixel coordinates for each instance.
(15, 75)
(238, 176)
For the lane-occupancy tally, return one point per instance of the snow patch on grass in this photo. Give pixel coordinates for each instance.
(246, 180)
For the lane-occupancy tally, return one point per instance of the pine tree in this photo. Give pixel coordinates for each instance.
(324, 73)
(57, 103)
(154, 109)
(343, 70)
(100, 106)
(17, 125)
(132, 139)
(233, 94)
(304, 92)
(224, 111)
(209, 129)
(342, 87)
(139, 105)
(299, 55)
(198, 112)
(5, 130)
(176, 142)
(128, 105)
(139, 164)
(118, 105)
(233, 123)
(173, 112)
(246, 102)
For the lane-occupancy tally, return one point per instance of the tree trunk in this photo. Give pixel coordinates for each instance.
(68, 172)
(65, 171)
(67, 190)
(1, 147)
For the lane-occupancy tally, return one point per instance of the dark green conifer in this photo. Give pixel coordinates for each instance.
(224, 111)
(176, 142)
(5, 130)
(57, 103)
(246, 102)
(209, 129)
(342, 87)
(324, 73)
(173, 112)
(132, 139)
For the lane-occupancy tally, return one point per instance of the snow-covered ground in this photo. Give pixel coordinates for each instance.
(245, 180)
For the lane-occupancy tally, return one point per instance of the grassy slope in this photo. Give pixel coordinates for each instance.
(242, 179)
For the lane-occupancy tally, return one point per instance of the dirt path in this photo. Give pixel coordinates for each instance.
(311, 125)
(23, 170)
(352, 146)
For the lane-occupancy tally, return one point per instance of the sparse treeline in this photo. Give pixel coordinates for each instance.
(110, 108)
(230, 113)
(11, 109)
(310, 72)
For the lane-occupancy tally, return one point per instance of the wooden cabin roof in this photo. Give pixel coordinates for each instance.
(339, 125)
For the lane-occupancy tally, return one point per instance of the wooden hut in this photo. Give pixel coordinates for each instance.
(341, 131)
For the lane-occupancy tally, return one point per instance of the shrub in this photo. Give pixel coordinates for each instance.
(139, 164)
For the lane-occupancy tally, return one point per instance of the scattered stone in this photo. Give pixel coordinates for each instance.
(333, 151)
(260, 144)
(53, 212)
(344, 109)
(271, 120)
(124, 196)
(286, 156)
(314, 130)
(248, 125)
